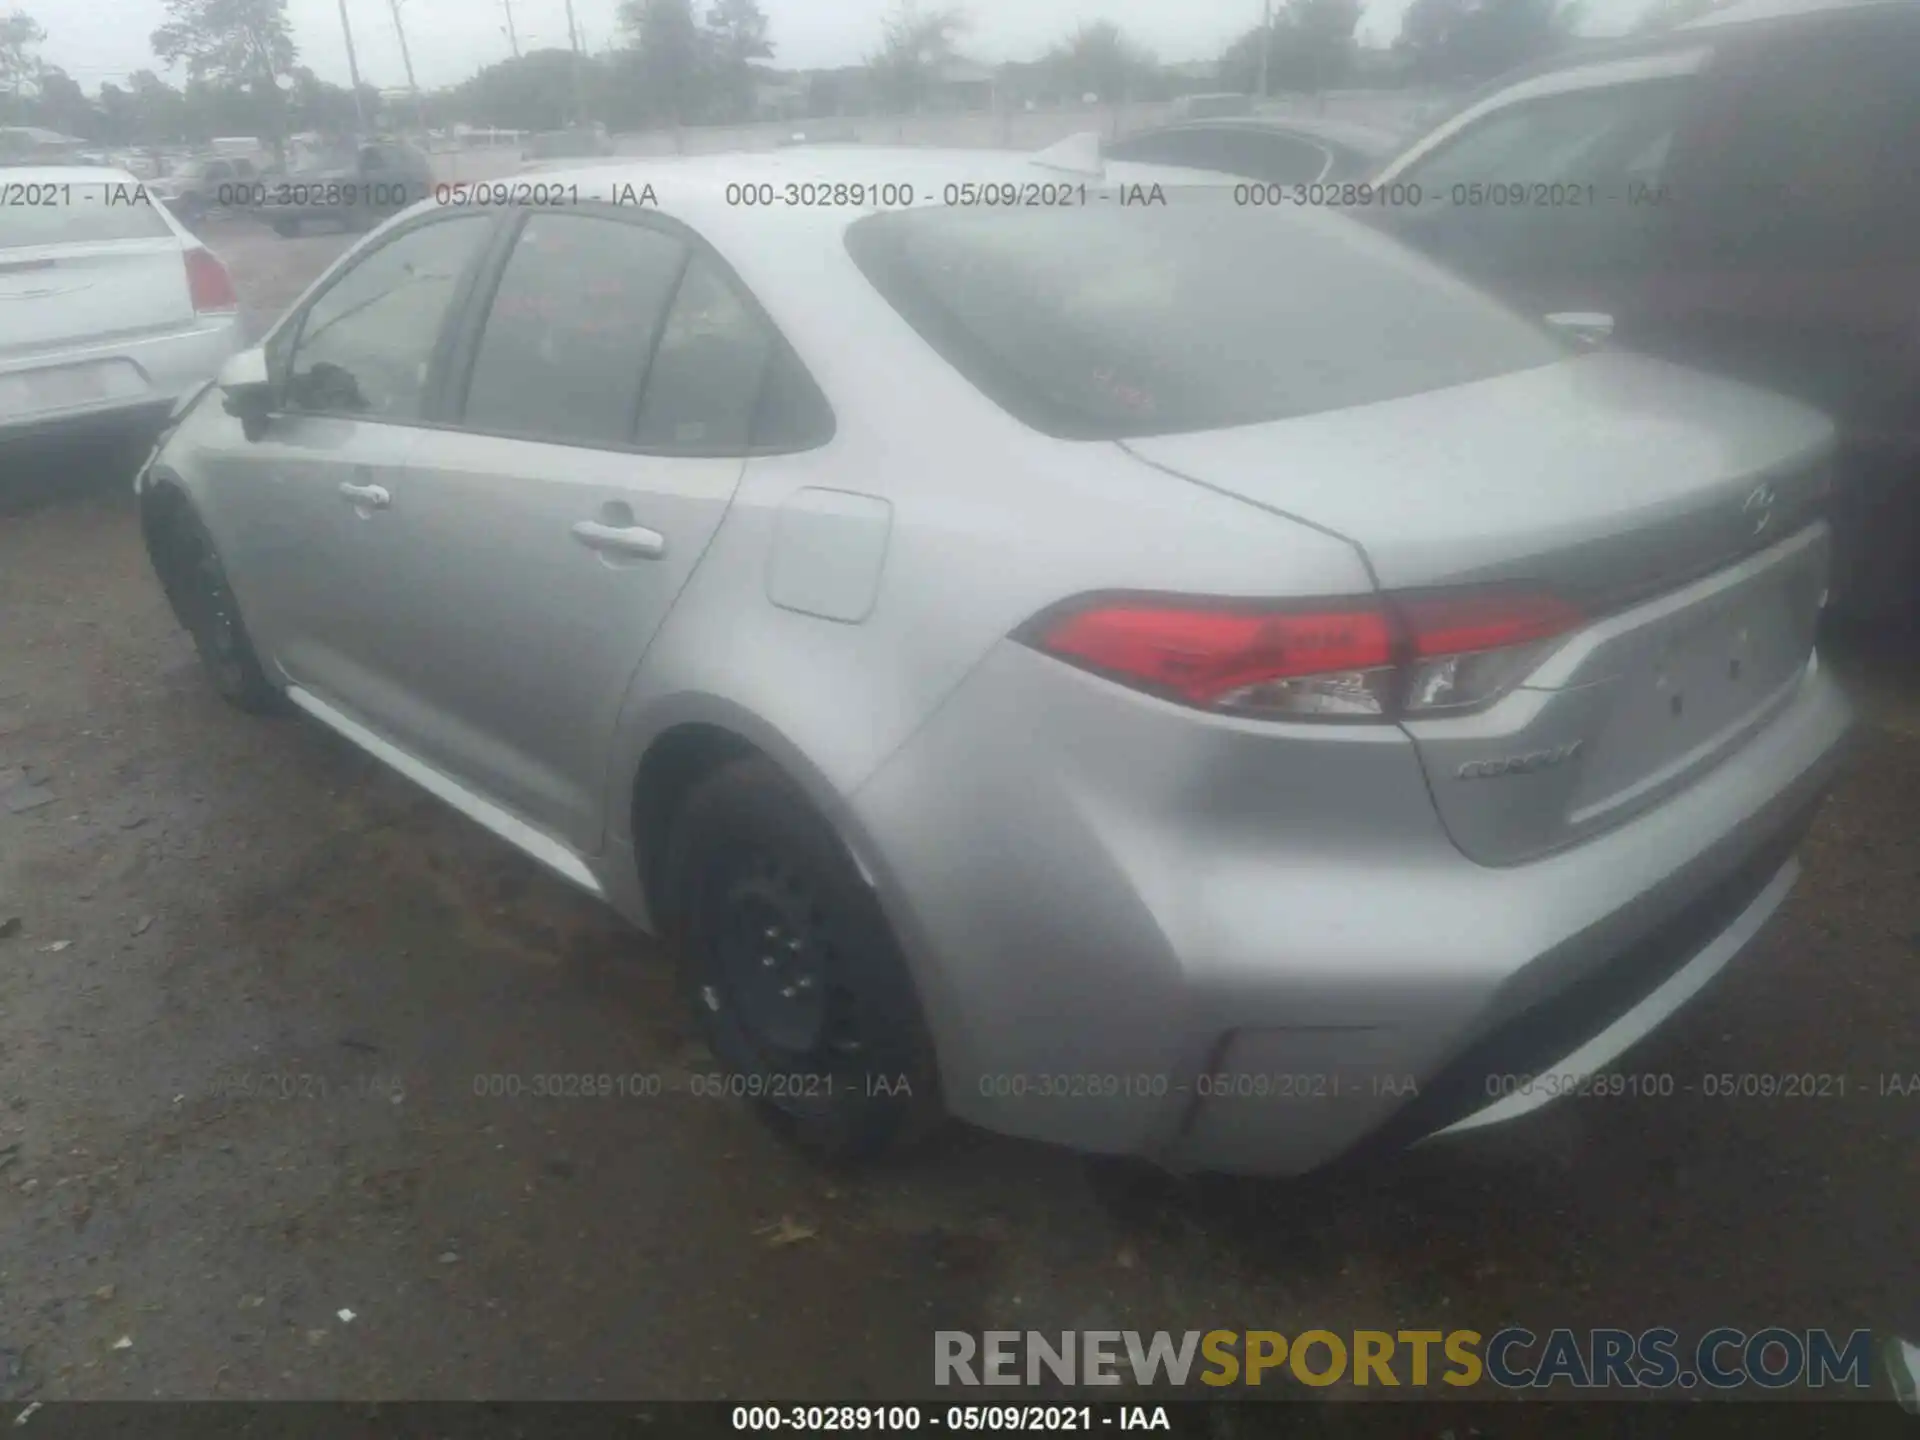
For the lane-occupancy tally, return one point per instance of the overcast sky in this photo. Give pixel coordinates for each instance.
(96, 40)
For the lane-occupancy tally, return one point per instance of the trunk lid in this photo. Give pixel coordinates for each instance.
(1682, 512)
(60, 296)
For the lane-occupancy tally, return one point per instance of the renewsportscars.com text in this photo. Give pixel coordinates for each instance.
(1512, 1358)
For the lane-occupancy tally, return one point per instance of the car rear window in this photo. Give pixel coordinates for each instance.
(57, 213)
(1107, 321)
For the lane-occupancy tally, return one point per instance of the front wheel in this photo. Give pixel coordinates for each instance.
(792, 972)
(184, 556)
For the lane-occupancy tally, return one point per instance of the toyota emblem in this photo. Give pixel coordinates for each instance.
(1757, 511)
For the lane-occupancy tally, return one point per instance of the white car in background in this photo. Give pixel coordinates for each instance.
(110, 309)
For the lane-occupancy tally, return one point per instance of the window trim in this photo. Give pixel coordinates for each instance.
(296, 322)
(447, 407)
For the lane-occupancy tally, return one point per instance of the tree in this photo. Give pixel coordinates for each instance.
(20, 36)
(669, 61)
(1097, 59)
(1454, 41)
(1310, 47)
(316, 104)
(159, 110)
(239, 44)
(736, 37)
(62, 105)
(915, 45)
(533, 91)
(117, 118)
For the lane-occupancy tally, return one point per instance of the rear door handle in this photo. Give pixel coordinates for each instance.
(634, 540)
(367, 497)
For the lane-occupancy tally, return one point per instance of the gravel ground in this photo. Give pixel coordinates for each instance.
(255, 980)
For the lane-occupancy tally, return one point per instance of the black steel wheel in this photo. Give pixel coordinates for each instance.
(791, 971)
(189, 567)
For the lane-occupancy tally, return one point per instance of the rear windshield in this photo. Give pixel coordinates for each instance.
(57, 213)
(1106, 321)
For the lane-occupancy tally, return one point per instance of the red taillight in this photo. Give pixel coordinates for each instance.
(1461, 624)
(1353, 660)
(1209, 654)
(209, 283)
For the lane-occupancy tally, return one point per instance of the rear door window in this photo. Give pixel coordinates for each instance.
(570, 330)
(706, 373)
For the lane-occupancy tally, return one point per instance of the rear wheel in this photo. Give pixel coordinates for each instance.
(189, 567)
(792, 971)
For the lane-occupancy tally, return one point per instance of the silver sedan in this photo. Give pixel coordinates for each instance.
(1049, 646)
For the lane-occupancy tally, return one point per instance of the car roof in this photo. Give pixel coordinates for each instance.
(1739, 20)
(790, 256)
(1337, 132)
(1746, 12)
(693, 188)
(31, 174)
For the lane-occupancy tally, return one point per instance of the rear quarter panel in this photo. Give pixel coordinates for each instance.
(990, 523)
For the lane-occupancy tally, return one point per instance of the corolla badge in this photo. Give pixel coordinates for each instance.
(1519, 764)
(1757, 510)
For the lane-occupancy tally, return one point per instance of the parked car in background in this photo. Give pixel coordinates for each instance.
(1211, 107)
(348, 186)
(578, 143)
(1082, 664)
(1272, 151)
(210, 182)
(110, 309)
(1740, 194)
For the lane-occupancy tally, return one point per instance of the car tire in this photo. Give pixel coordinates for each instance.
(289, 226)
(188, 564)
(792, 972)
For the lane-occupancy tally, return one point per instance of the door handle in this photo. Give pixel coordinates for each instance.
(367, 497)
(634, 540)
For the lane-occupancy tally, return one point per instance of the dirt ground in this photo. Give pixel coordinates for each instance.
(257, 984)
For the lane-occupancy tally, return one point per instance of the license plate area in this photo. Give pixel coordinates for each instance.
(1709, 670)
(1690, 685)
(69, 387)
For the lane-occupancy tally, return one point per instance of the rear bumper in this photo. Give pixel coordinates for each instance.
(1557, 1045)
(1222, 946)
(170, 364)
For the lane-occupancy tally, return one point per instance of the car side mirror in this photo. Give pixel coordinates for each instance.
(246, 390)
(1588, 327)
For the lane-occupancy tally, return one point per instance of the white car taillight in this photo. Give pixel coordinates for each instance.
(1359, 660)
(208, 282)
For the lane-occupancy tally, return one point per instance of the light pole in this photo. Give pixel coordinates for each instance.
(353, 70)
(573, 39)
(1266, 42)
(513, 37)
(419, 106)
